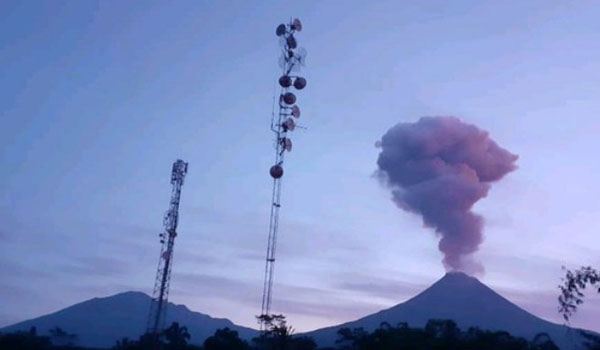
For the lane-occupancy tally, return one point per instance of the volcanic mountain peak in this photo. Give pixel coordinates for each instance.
(458, 286)
(458, 278)
(463, 299)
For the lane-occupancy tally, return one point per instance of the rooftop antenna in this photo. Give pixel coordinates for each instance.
(292, 58)
(160, 295)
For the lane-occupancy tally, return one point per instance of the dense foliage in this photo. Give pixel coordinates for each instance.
(175, 337)
(436, 335)
(58, 339)
(277, 335)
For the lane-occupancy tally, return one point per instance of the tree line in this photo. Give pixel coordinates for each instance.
(278, 335)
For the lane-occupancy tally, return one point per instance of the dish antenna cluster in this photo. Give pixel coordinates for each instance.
(291, 60)
(160, 295)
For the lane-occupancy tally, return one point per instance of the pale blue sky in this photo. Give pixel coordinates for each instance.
(97, 99)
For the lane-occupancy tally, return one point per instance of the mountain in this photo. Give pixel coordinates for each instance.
(469, 303)
(100, 322)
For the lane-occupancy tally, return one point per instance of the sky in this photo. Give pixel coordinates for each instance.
(97, 99)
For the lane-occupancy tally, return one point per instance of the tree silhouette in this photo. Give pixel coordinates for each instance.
(150, 341)
(437, 335)
(61, 337)
(571, 290)
(24, 340)
(176, 336)
(278, 335)
(126, 344)
(225, 339)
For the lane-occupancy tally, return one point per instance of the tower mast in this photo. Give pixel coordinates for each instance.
(292, 58)
(160, 295)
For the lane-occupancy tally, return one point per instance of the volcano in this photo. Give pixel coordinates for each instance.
(469, 303)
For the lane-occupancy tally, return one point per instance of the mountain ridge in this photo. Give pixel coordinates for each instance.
(101, 321)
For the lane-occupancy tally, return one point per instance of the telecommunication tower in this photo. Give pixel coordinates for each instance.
(160, 295)
(292, 58)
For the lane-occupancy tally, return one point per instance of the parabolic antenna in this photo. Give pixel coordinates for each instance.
(289, 98)
(290, 64)
(299, 83)
(299, 58)
(291, 42)
(276, 171)
(285, 81)
(301, 55)
(297, 25)
(289, 124)
(281, 29)
(287, 144)
(296, 111)
(296, 60)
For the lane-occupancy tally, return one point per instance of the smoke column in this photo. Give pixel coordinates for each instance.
(439, 167)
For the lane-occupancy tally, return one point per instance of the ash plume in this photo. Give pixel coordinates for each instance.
(439, 167)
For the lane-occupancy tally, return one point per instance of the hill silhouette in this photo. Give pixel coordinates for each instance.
(100, 322)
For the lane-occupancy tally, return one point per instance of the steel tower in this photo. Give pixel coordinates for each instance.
(160, 295)
(292, 58)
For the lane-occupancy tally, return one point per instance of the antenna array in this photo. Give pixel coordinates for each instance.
(292, 58)
(160, 295)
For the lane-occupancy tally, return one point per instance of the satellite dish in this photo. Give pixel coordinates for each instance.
(285, 81)
(276, 171)
(296, 60)
(166, 254)
(301, 55)
(299, 58)
(291, 42)
(299, 83)
(297, 25)
(287, 144)
(289, 124)
(295, 111)
(281, 29)
(289, 98)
